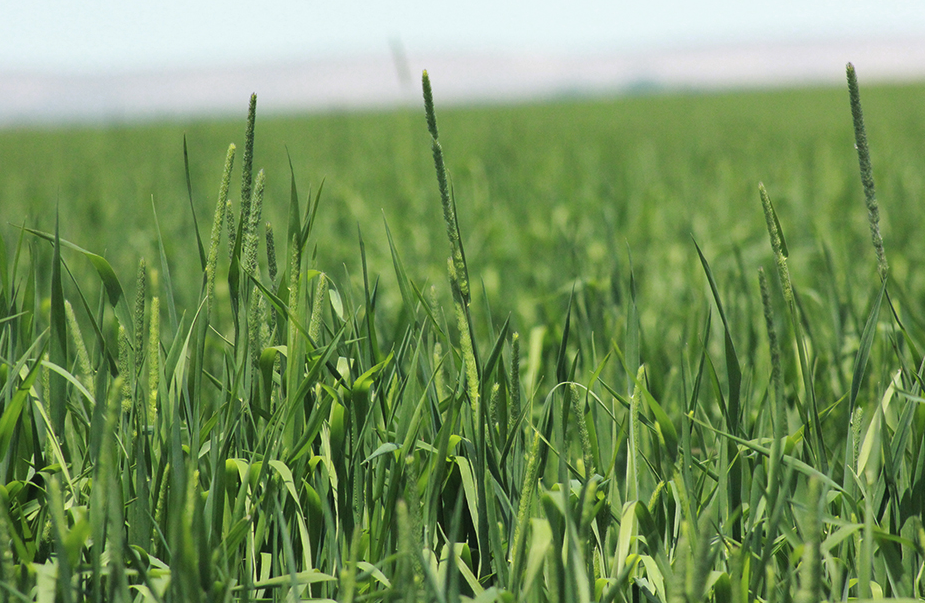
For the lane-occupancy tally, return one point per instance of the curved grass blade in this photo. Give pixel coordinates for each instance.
(867, 340)
(189, 192)
(168, 283)
(733, 369)
(106, 273)
(11, 413)
(860, 366)
(400, 273)
(58, 347)
(786, 459)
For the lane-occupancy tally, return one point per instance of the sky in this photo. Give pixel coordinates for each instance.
(106, 60)
(105, 36)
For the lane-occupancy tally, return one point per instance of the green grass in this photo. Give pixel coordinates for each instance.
(593, 406)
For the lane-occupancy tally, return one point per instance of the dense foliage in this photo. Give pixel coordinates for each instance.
(643, 377)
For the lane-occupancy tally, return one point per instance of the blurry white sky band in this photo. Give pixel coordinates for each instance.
(124, 59)
(112, 35)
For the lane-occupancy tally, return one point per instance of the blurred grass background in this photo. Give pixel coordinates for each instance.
(550, 195)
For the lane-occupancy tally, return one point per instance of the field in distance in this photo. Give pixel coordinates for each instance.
(548, 194)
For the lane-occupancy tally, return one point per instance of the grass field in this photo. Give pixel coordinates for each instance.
(599, 403)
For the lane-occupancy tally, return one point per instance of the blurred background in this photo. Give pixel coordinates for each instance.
(117, 60)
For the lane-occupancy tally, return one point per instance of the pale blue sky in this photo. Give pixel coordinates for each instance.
(117, 35)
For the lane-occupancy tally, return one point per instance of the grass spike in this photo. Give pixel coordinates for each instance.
(777, 244)
(514, 411)
(83, 356)
(449, 207)
(221, 208)
(456, 263)
(232, 229)
(867, 172)
(247, 168)
(578, 406)
(272, 267)
(439, 383)
(139, 316)
(527, 493)
(780, 252)
(254, 323)
(250, 230)
(154, 353)
(124, 368)
(857, 423)
(493, 411)
(316, 322)
(429, 105)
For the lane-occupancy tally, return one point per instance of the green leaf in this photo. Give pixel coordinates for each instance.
(165, 278)
(867, 340)
(286, 475)
(540, 543)
(294, 232)
(11, 413)
(304, 577)
(106, 273)
(400, 273)
(364, 382)
(733, 370)
(58, 348)
(189, 192)
(383, 449)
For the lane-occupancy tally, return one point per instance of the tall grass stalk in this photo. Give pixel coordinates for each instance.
(867, 172)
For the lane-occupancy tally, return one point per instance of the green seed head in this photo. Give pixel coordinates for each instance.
(222, 207)
(783, 271)
(429, 105)
(247, 168)
(271, 253)
(232, 228)
(867, 172)
(139, 317)
(125, 372)
(83, 356)
(154, 350)
(321, 292)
